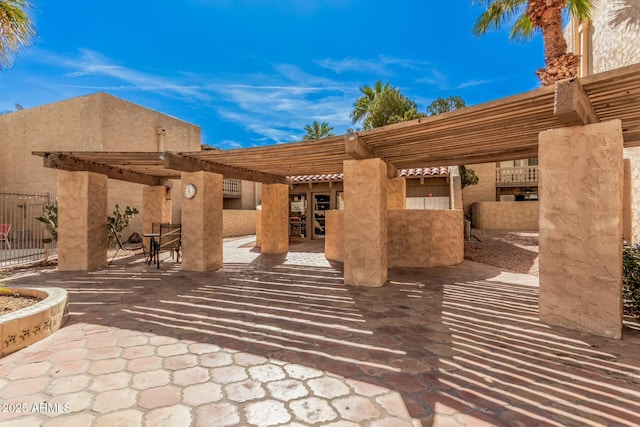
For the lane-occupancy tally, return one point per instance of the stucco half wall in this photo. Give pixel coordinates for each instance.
(505, 215)
(239, 222)
(416, 238)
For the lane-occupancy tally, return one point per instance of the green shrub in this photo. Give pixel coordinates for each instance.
(631, 279)
(49, 220)
(118, 222)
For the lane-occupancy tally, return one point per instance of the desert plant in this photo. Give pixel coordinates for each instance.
(631, 279)
(118, 222)
(49, 220)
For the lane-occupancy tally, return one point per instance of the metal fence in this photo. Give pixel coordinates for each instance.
(23, 239)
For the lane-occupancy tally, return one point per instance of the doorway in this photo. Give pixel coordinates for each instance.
(297, 215)
(321, 204)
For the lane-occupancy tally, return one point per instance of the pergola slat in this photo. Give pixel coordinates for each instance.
(504, 129)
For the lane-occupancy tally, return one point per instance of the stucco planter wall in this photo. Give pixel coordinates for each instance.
(238, 222)
(21, 328)
(416, 238)
(505, 215)
(425, 238)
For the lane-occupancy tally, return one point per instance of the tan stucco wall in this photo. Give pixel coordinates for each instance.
(98, 122)
(334, 236)
(425, 238)
(615, 35)
(274, 221)
(485, 190)
(239, 222)
(202, 225)
(397, 193)
(505, 215)
(416, 238)
(365, 219)
(455, 188)
(581, 188)
(627, 205)
(613, 41)
(82, 232)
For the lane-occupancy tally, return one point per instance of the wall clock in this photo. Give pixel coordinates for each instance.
(190, 191)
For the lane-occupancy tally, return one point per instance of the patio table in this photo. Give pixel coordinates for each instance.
(154, 248)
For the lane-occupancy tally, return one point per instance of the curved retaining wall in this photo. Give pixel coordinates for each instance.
(26, 326)
(416, 238)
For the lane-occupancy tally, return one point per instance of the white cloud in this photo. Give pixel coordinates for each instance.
(274, 105)
(472, 83)
(382, 65)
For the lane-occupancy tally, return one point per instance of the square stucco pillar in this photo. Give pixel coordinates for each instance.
(397, 193)
(156, 207)
(274, 223)
(627, 204)
(202, 222)
(82, 221)
(365, 222)
(581, 188)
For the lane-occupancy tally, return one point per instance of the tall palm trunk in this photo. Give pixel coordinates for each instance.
(547, 15)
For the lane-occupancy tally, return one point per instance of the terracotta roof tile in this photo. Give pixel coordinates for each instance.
(437, 171)
(336, 177)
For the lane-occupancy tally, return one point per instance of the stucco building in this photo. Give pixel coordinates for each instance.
(103, 123)
(610, 40)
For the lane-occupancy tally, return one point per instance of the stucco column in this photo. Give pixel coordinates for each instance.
(581, 187)
(397, 193)
(274, 224)
(627, 204)
(156, 207)
(202, 222)
(365, 222)
(82, 221)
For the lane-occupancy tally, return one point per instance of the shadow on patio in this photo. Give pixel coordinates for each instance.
(454, 345)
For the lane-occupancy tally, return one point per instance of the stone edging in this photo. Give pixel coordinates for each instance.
(26, 326)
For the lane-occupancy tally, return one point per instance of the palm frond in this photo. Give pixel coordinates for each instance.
(580, 9)
(497, 13)
(522, 29)
(16, 29)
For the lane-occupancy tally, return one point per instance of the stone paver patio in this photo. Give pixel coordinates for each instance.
(280, 341)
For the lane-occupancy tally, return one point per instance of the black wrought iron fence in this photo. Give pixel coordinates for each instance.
(23, 239)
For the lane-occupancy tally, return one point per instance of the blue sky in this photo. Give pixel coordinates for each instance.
(255, 72)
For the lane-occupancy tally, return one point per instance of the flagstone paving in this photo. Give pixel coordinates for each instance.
(280, 341)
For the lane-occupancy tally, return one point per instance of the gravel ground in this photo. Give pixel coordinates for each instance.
(513, 250)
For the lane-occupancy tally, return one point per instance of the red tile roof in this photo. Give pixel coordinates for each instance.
(408, 173)
(437, 171)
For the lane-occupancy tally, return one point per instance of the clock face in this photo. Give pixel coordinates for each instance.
(189, 191)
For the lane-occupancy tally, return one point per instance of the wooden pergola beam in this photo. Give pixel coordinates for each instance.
(68, 163)
(572, 105)
(190, 164)
(359, 150)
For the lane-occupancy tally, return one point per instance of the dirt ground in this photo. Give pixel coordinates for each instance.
(513, 250)
(9, 303)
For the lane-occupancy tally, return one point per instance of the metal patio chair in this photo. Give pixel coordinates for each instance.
(4, 234)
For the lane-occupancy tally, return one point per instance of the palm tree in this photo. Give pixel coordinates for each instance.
(317, 131)
(545, 15)
(362, 105)
(16, 29)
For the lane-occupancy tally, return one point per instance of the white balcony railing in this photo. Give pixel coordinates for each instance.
(517, 175)
(232, 187)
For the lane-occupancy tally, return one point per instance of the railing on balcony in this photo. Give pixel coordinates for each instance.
(232, 188)
(517, 175)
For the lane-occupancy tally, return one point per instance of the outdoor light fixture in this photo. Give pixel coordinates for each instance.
(350, 134)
